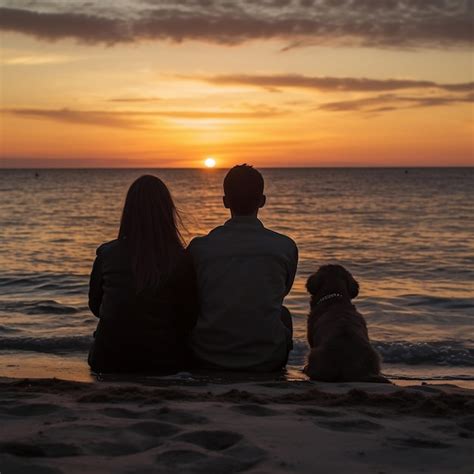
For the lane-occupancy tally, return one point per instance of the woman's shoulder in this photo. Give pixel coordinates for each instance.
(109, 247)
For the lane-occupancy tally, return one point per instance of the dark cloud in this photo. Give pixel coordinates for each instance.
(91, 117)
(369, 23)
(342, 84)
(391, 102)
(136, 119)
(54, 26)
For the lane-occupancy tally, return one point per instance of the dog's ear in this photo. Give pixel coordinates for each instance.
(352, 285)
(313, 284)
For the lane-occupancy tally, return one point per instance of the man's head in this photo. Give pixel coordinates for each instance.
(243, 191)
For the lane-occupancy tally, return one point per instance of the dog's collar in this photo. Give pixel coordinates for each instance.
(329, 297)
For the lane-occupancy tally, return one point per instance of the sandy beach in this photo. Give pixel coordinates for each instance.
(200, 425)
(246, 185)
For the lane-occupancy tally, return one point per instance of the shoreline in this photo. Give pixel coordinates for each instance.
(19, 365)
(168, 426)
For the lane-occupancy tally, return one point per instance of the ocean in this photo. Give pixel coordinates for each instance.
(405, 234)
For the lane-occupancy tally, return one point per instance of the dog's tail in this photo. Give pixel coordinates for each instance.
(374, 379)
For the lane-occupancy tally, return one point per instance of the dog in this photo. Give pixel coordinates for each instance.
(337, 332)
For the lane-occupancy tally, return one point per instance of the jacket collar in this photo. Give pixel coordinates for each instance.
(244, 221)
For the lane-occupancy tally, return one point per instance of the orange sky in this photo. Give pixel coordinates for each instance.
(289, 83)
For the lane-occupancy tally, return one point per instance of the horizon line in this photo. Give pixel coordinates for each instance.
(226, 168)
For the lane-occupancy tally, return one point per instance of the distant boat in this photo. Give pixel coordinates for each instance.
(37, 175)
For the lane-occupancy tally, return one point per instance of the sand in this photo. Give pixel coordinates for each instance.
(189, 425)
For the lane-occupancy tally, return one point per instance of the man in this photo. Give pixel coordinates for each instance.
(244, 271)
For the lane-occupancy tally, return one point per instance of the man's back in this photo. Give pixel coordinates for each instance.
(244, 271)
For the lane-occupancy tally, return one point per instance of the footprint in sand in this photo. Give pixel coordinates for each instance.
(80, 439)
(244, 450)
(212, 440)
(154, 429)
(350, 425)
(413, 442)
(38, 449)
(178, 457)
(31, 409)
(254, 410)
(180, 417)
(121, 413)
(237, 459)
(218, 465)
(318, 412)
(54, 413)
(11, 464)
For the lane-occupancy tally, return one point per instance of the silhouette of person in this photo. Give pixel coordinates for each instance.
(143, 288)
(244, 271)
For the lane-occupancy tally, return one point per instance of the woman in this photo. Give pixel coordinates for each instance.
(143, 288)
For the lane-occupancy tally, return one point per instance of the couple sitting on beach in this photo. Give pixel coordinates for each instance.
(218, 304)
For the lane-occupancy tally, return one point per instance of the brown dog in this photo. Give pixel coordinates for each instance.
(337, 332)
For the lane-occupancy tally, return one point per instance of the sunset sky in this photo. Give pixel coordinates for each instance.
(151, 83)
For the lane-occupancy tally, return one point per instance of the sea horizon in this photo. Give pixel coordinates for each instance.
(226, 168)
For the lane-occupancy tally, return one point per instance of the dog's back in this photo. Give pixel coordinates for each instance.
(341, 348)
(337, 332)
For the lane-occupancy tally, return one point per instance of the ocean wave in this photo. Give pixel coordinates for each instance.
(442, 353)
(49, 345)
(433, 353)
(39, 307)
(431, 301)
(19, 283)
(7, 329)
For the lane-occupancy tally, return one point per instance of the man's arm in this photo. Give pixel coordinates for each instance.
(292, 266)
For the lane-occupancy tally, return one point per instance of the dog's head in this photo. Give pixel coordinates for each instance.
(332, 278)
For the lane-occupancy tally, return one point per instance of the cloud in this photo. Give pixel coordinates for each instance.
(391, 102)
(132, 100)
(368, 23)
(137, 119)
(36, 60)
(229, 115)
(54, 26)
(337, 84)
(90, 117)
(427, 93)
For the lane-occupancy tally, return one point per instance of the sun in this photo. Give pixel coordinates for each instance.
(209, 162)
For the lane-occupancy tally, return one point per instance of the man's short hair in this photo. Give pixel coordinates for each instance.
(243, 188)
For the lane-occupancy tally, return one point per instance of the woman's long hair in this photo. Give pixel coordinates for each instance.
(149, 225)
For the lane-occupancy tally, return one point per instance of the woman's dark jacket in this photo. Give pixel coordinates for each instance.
(140, 332)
